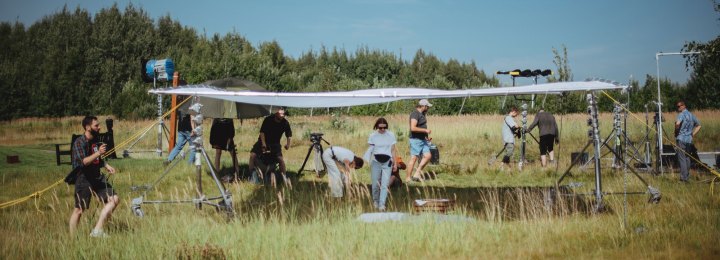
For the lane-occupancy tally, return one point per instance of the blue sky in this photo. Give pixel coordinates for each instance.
(610, 39)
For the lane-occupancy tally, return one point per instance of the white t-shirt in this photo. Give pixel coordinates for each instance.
(382, 143)
(341, 153)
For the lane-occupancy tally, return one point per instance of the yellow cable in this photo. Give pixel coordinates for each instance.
(40, 192)
(669, 141)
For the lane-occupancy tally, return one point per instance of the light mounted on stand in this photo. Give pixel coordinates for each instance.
(161, 70)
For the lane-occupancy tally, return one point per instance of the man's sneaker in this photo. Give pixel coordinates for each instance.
(98, 233)
(166, 163)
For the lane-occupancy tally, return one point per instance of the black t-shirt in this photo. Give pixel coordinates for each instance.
(421, 123)
(274, 130)
(184, 122)
(222, 129)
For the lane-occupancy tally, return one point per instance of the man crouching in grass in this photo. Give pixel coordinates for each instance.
(87, 154)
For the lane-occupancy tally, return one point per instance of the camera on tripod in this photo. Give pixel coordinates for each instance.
(315, 137)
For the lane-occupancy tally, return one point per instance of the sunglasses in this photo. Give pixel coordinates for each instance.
(382, 127)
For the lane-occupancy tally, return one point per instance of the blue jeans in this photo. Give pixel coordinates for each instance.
(683, 160)
(419, 147)
(380, 179)
(183, 137)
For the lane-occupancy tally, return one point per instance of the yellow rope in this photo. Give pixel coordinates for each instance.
(37, 194)
(677, 148)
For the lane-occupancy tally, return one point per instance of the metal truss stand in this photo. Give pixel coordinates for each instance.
(225, 203)
(594, 134)
(523, 140)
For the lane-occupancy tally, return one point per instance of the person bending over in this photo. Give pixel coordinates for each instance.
(339, 161)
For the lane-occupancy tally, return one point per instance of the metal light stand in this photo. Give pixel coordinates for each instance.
(128, 150)
(161, 124)
(523, 136)
(594, 134)
(225, 203)
(648, 162)
(622, 141)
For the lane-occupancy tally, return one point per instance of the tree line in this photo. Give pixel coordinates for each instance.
(74, 63)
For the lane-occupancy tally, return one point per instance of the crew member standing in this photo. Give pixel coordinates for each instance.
(686, 127)
(419, 140)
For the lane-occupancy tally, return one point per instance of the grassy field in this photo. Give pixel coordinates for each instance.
(502, 212)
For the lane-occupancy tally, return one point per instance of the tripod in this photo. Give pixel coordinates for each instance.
(316, 145)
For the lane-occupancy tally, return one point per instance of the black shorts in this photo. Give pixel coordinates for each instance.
(222, 129)
(275, 149)
(547, 143)
(85, 189)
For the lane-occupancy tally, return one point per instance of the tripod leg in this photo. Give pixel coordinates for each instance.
(305, 161)
(492, 160)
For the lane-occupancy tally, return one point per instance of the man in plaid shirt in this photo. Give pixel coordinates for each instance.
(86, 155)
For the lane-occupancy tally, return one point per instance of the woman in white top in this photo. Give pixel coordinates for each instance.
(382, 150)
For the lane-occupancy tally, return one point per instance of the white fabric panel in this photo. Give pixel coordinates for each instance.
(373, 96)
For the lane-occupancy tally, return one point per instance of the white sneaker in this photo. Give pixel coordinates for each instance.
(98, 233)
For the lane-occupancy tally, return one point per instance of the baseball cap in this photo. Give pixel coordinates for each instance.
(424, 102)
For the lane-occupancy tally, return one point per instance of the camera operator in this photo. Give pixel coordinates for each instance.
(87, 156)
(509, 131)
(272, 129)
(339, 161)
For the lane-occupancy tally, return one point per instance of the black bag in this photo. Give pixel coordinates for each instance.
(72, 176)
(382, 158)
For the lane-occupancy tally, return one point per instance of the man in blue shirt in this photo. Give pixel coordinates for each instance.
(686, 127)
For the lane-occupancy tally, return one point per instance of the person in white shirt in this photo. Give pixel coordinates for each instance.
(338, 162)
(382, 150)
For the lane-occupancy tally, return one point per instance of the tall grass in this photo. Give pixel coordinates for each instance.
(508, 212)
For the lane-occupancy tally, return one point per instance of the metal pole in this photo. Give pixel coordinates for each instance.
(659, 117)
(596, 142)
(160, 119)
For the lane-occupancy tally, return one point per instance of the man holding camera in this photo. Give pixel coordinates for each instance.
(272, 129)
(86, 154)
(509, 131)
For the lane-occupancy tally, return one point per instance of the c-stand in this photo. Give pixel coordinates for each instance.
(594, 135)
(225, 203)
(316, 145)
